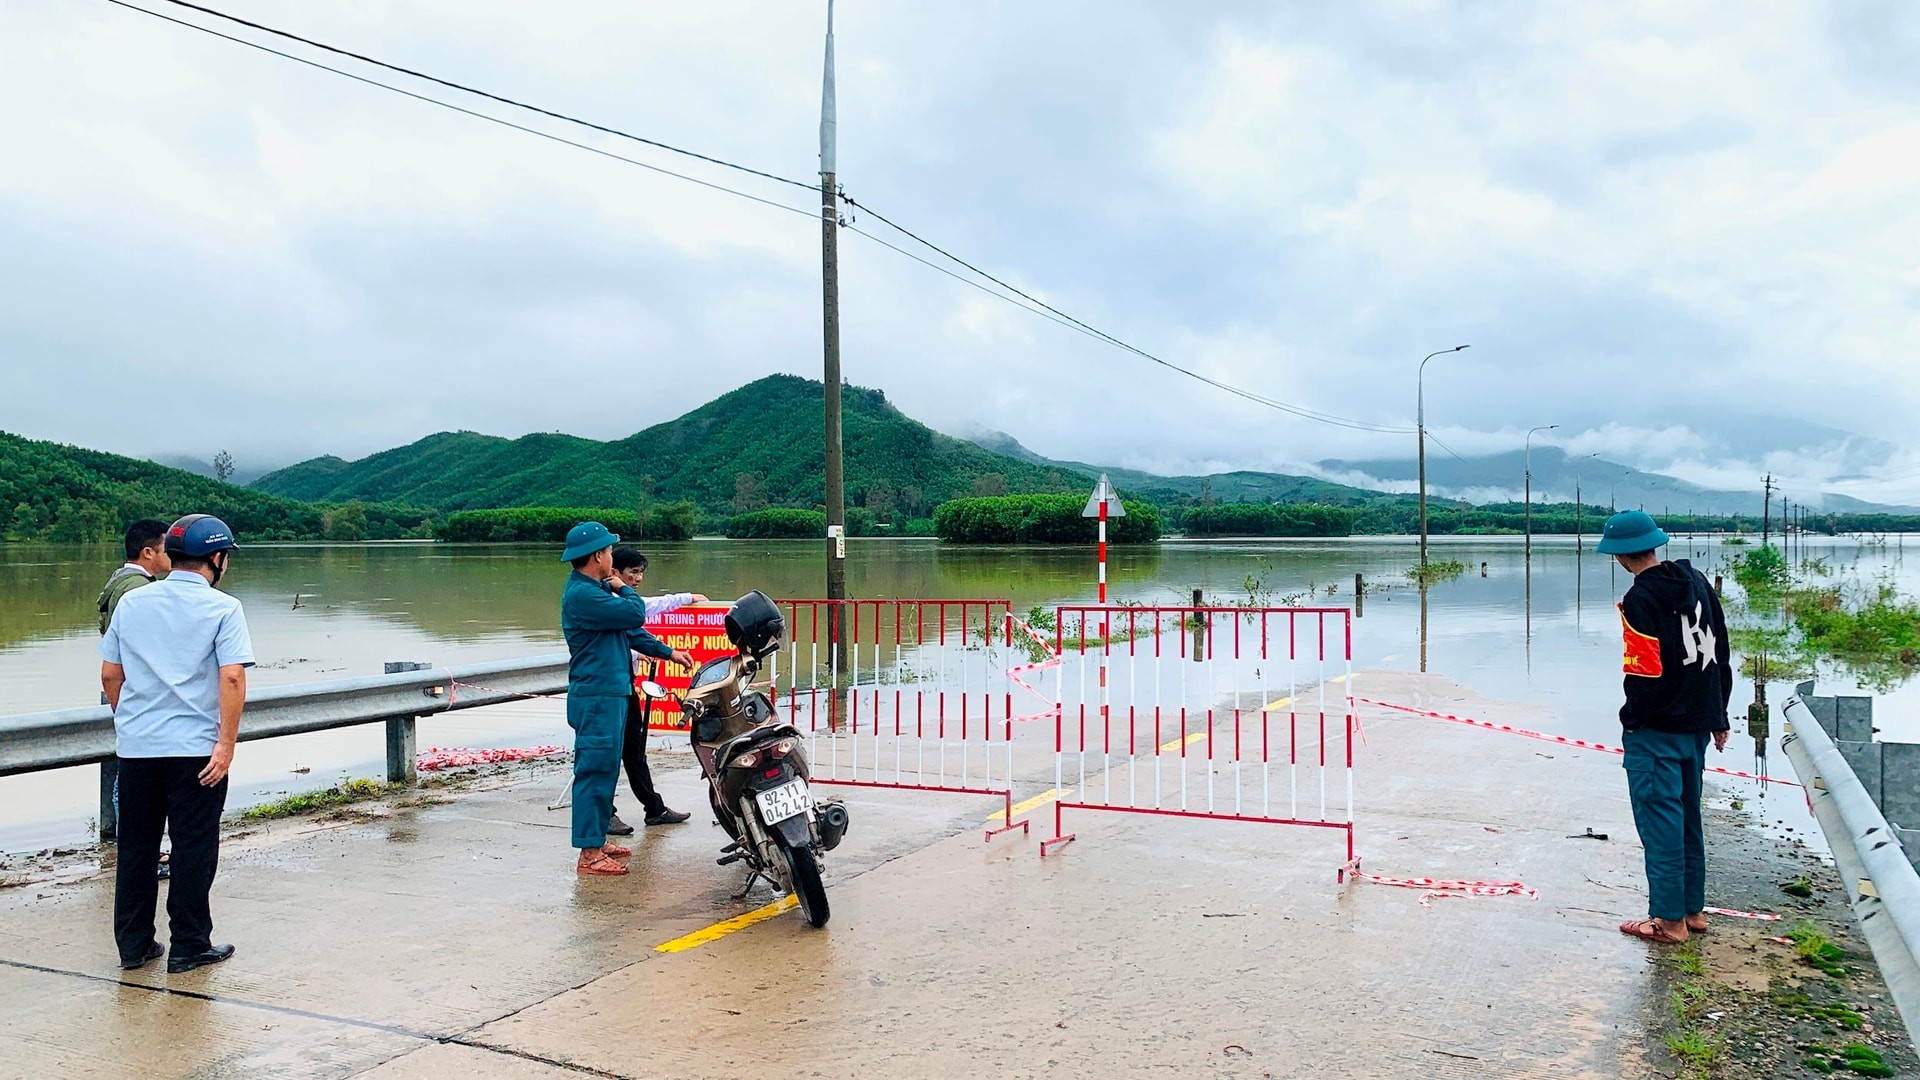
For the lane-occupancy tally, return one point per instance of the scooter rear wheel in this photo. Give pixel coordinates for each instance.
(804, 871)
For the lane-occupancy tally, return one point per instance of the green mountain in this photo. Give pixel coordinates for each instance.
(1229, 487)
(49, 491)
(758, 446)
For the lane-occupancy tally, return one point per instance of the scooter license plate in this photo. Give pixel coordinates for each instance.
(779, 804)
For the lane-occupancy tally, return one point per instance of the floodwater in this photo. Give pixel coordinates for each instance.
(331, 611)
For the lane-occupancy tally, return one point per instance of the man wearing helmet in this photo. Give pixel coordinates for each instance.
(602, 618)
(174, 665)
(1677, 684)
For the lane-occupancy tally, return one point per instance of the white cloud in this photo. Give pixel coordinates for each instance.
(1657, 226)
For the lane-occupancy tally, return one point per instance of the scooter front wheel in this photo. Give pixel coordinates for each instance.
(803, 869)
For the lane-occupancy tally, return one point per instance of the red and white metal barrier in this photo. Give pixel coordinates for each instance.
(1234, 714)
(920, 696)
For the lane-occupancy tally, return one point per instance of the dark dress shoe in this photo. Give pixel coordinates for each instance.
(153, 953)
(616, 827)
(214, 955)
(665, 816)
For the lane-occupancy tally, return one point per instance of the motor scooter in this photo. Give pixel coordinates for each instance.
(758, 782)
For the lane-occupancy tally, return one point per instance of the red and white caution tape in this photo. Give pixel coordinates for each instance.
(1432, 889)
(1052, 661)
(1730, 913)
(438, 758)
(1562, 740)
(454, 685)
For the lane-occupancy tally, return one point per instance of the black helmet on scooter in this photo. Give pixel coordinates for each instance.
(755, 625)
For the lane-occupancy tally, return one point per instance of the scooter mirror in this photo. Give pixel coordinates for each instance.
(653, 689)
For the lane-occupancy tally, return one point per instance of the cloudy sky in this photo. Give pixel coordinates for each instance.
(1689, 239)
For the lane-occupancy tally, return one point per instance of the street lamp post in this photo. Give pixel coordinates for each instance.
(1420, 426)
(1529, 488)
(1579, 542)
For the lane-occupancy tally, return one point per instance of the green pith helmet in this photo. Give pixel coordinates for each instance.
(1630, 532)
(586, 538)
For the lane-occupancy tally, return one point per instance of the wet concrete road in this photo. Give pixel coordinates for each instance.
(454, 940)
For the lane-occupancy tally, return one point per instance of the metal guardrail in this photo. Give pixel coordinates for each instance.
(1882, 887)
(34, 742)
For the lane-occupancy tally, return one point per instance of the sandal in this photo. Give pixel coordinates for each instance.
(615, 851)
(1650, 930)
(601, 866)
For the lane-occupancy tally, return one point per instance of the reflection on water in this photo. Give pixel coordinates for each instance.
(1525, 630)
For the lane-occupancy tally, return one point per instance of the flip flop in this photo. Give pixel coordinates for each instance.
(1650, 930)
(600, 867)
(615, 851)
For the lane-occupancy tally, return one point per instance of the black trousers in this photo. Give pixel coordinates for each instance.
(633, 754)
(156, 795)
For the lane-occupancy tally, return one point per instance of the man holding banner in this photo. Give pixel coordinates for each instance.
(630, 566)
(602, 620)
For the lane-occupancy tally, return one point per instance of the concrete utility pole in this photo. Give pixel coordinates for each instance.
(1766, 511)
(1529, 489)
(830, 379)
(1420, 426)
(1579, 544)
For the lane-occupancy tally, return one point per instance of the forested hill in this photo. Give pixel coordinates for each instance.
(49, 491)
(757, 446)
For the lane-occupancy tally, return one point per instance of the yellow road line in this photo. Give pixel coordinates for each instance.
(1278, 704)
(1041, 799)
(727, 926)
(1174, 744)
(1336, 679)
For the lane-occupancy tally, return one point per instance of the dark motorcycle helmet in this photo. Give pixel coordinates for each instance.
(197, 536)
(755, 625)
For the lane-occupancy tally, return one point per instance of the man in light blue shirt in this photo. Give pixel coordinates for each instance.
(174, 667)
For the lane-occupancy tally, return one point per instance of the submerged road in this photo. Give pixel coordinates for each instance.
(453, 939)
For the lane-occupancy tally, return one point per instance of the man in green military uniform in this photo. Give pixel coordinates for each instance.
(602, 618)
(146, 562)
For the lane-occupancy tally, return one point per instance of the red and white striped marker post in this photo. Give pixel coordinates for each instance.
(1103, 551)
(1102, 504)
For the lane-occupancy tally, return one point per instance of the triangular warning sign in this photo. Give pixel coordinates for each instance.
(1103, 492)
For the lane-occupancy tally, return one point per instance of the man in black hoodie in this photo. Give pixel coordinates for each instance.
(1677, 682)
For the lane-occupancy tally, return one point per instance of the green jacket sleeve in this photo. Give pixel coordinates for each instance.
(589, 607)
(647, 645)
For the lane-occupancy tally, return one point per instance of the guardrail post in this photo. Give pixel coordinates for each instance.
(403, 746)
(402, 752)
(109, 813)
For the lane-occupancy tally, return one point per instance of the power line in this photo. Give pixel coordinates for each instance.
(1297, 410)
(1032, 303)
(466, 111)
(1051, 315)
(465, 89)
(1444, 446)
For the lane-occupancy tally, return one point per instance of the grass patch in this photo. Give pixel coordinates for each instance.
(345, 793)
(1801, 887)
(1687, 959)
(1819, 952)
(1436, 571)
(1857, 1058)
(1696, 1052)
(1688, 1001)
(1871, 630)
